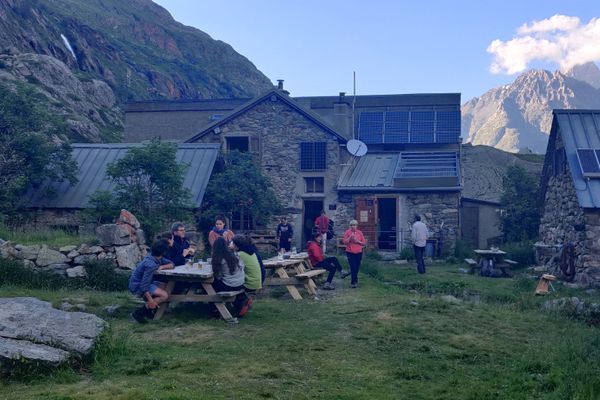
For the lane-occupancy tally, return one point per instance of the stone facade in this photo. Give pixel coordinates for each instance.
(564, 221)
(274, 131)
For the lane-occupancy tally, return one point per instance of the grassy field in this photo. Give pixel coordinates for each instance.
(394, 337)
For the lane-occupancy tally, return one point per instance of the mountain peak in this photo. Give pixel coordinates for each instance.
(588, 73)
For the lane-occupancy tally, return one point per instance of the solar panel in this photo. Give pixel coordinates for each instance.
(589, 162)
(427, 165)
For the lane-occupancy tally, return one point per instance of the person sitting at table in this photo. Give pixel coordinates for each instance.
(284, 234)
(180, 248)
(318, 260)
(251, 266)
(141, 282)
(220, 230)
(246, 245)
(354, 241)
(228, 273)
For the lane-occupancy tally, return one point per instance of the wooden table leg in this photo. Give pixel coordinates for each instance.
(291, 288)
(311, 282)
(221, 307)
(162, 308)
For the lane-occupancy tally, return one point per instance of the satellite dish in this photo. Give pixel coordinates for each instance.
(356, 147)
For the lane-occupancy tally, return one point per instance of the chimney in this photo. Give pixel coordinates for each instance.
(280, 84)
(342, 115)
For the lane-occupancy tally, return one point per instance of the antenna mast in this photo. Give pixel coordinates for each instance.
(353, 104)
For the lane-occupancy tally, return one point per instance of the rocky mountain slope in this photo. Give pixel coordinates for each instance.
(87, 58)
(518, 116)
(484, 168)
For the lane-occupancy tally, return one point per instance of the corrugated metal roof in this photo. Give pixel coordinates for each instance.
(386, 172)
(92, 160)
(580, 129)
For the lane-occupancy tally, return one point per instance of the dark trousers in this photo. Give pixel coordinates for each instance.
(219, 286)
(354, 262)
(331, 264)
(419, 253)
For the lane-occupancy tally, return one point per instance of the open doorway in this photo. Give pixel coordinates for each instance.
(312, 209)
(387, 231)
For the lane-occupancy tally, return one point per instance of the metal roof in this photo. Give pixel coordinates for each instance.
(579, 129)
(92, 160)
(403, 171)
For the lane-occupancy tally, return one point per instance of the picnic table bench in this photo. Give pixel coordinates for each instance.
(292, 272)
(200, 289)
(491, 259)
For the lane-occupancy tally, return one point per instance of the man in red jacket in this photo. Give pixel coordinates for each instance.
(322, 226)
(318, 260)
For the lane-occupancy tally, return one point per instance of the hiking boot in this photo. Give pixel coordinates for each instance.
(245, 307)
(138, 315)
(354, 285)
(148, 313)
(344, 274)
(328, 286)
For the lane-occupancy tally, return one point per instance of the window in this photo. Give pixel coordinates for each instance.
(241, 220)
(559, 162)
(314, 185)
(313, 156)
(239, 143)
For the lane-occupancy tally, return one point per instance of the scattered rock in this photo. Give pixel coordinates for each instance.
(85, 258)
(463, 270)
(400, 261)
(48, 256)
(76, 272)
(563, 303)
(27, 252)
(31, 319)
(414, 303)
(80, 307)
(112, 309)
(29, 264)
(66, 306)
(41, 354)
(450, 299)
(387, 256)
(73, 254)
(67, 249)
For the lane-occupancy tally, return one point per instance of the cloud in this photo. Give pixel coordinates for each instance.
(559, 39)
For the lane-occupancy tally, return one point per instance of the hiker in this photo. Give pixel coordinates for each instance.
(354, 241)
(180, 248)
(228, 273)
(284, 234)
(318, 260)
(220, 230)
(419, 235)
(141, 283)
(322, 227)
(241, 245)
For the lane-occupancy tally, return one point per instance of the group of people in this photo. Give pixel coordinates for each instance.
(235, 261)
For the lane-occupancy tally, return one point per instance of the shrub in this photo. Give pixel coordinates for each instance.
(522, 252)
(102, 276)
(462, 249)
(15, 273)
(407, 253)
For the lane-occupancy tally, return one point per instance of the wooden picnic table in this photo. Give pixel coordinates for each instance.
(200, 280)
(493, 258)
(291, 272)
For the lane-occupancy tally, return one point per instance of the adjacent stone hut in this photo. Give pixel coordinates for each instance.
(570, 189)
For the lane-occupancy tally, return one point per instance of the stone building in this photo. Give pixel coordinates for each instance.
(570, 189)
(412, 165)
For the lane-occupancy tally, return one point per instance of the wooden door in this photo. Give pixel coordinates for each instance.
(366, 215)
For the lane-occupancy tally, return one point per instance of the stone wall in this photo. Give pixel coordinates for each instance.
(118, 245)
(275, 131)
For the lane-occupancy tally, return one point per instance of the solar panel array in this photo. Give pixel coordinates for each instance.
(441, 164)
(589, 162)
(411, 126)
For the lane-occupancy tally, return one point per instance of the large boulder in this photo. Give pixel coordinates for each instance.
(41, 354)
(27, 252)
(128, 256)
(112, 234)
(47, 256)
(34, 320)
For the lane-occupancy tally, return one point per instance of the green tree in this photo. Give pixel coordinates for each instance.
(149, 183)
(34, 147)
(240, 187)
(520, 217)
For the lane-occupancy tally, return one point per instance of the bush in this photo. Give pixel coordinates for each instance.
(462, 249)
(15, 273)
(522, 252)
(407, 253)
(101, 275)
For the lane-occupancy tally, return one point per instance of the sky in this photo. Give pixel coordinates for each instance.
(397, 46)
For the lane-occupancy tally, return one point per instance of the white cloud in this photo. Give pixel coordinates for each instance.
(559, 39)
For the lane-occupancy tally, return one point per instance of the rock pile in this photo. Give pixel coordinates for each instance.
(32, 329)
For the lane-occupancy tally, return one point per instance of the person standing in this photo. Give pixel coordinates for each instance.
(354, 241)
(220, 230)
(419, 237)
(180, 248)
(322, 226)
(284, 234)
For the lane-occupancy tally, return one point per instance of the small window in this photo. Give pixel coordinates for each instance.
(238, 143)
(241, 220)
(314, 185)
(559, 162)
(313, 156)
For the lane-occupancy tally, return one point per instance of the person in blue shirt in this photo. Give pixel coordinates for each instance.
(141, 282)
(180, 248)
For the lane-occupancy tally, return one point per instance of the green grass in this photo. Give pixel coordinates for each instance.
(392, 338)
(40, 235)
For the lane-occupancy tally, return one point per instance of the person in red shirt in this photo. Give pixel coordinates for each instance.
(322, 226)
(318, 260)
(354, 241)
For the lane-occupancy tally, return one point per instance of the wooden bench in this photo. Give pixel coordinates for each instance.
(510, 262)
(310, 274)
(472, 264)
